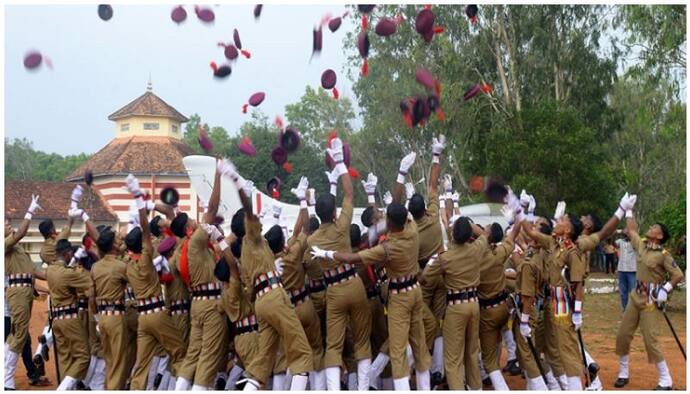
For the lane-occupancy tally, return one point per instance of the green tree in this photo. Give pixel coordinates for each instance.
(22, 162)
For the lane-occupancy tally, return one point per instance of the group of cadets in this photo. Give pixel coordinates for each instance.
(175, 303)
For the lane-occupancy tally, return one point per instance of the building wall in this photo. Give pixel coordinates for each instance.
(134, 125)
(113, 189)
(33, 240)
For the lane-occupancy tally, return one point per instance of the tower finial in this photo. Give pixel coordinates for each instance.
(149, 86)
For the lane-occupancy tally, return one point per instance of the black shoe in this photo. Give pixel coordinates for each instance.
(40, 365)
(220, 383)
(82, 387)
(593, 370)
(241, 382)
(45, 351)
(436, 379)
(620, 382)
(9, 389)
(662, 388)
(157, 381)
(512, 368)
(487, 381)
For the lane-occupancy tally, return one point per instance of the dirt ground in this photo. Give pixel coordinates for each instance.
(602, 315)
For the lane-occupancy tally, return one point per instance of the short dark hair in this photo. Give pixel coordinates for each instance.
(153, 226)
(313, 224)
(178, 226)
(237, 223)
(325, 207)
(496, 233)
(545, 228)
(222, 270)
(576, 223)
(417, 206)
(46, 227)
(462, 230)
(397, 214)
(133, 240)
(596, 222)
(368, 216)
(236, 248)
(355, 235)
(106, 240)
(664, 231)
(275, 238)
(62, 245)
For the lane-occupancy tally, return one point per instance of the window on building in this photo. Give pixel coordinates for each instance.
(124, 127)
(174, 128)
(151, 126)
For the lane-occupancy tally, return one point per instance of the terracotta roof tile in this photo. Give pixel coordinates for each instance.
(148, 104)
(136, 155)
(55, 200)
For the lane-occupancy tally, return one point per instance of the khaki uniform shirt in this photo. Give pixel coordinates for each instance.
(110, 277)
(492, 279)
(333, 236)
(142, 276)
(236, 300)
(47, 253)
(460, 264)
(66, 283)
(429, 227)
(257, 257)
(293, 270)
(201, 259)
(562, 254)
(17, 261)
(587, 243)
(176, 290)
(399, 253)
(653, 262)
(528, 278)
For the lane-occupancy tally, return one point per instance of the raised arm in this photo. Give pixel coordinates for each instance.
(436, 149)
(626, 204)
(165, 209)
(340, 170)
(301, 193)
(214, 201)
(370, 188)
(405, 165)
(24, 225)
(133, 187)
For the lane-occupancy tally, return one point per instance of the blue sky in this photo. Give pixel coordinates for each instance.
(101, 66)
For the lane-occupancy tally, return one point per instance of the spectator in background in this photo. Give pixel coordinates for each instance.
(600, 261)
(610, 256)
(627, 266)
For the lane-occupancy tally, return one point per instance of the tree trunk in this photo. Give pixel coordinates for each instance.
(498, 54)
(513, 65)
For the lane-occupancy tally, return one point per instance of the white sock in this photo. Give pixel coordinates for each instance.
(10, 367)
(410, 356)
(624, 367)
(510, 345)
(352, 381)
(288, 379)
(299, 383)
(482, 372)
(377, 367)
(387, 384)
(551, 382)
(498, 381)
(423, 380)
(197, 387)
(171, 383)
(574, 383)
(153, 370)
(664, 374)
(252, 385)
(437, 356)
(233, 376)
(67, 383)
(589, 358)
(165, 380)
(98, 379)
(182, 384)
(89, 372)
(279, 382)
(163, 364)
(363, 367)
(333, 378)
(536, 384)
(563, 381)
(402, 384)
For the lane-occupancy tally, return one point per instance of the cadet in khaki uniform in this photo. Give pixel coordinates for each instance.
(47, 229)
(19, 273)
(398, 253)
(493, 308)
(155, 327)
(654, 264)
(196, 264)
(345, 296)
(274, 311)
(460, 268)
(65, 281)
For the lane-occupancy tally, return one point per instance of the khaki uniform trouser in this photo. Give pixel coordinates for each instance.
(434, 294)
(206, 345)
(155, 329)
(73, 351)
(546, 341)
(20, 300)
(567, 344)
(95, 347)
(278, 321)
(347, 303)
(461, 346)
(114, 340)
(306, 313)
(648, 318)
(247, 347)
(182, 327)
(525, 357)
(379, 331)
(131, 322)
(405, 312)
(491, 321)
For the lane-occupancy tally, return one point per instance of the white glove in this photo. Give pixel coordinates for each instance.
(333, 181)
(405, 165)
(204, 204)
(532, 205)
(628, 202)
(34, 204)
(277, 210)
(387, 198)
(80, 253)
(560, 210)
(524, 199)
(508, 214)
(133, 185)
(455, 197)
(312, 197)
(279, 265)
(511, 199)
(525, 329)
(247, 188)
(437, 146)
(577, 320)
(336, 150)
(225, 167)
(75, 212)
(409, 190)
(370, 184)
(662, 294)
(448, 184)
(76, 196)
(301, 190)
(323, 254)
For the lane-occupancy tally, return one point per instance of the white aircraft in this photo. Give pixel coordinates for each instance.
(201, 171)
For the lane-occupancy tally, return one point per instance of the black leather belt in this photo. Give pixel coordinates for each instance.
(269, 282)
(246, 325)
(395, 286)
(83, 304)
(494, 301)
(20, 281)
(298, 297)
(111, 308)
(340, 277)
(453, 297)
(64, 312)
(316, 286)
(206, 293)
(372, 292)
(179, 307)
(151, 306)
